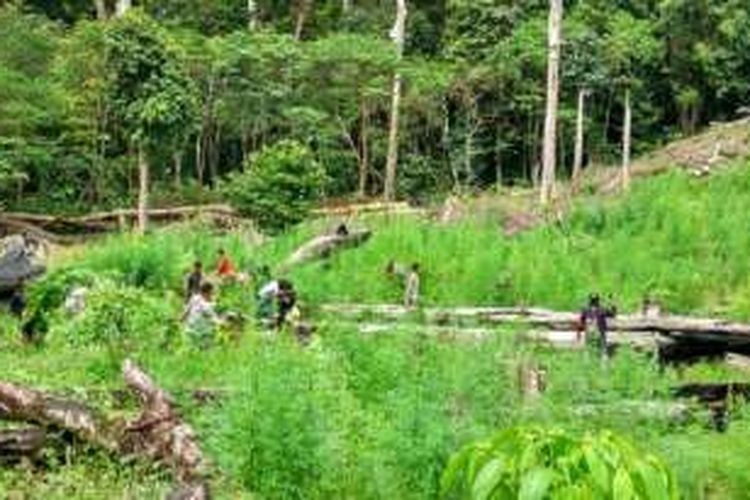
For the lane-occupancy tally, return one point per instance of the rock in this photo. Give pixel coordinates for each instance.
(21, 259)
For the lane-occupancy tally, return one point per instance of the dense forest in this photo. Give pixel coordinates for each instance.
(200, 91)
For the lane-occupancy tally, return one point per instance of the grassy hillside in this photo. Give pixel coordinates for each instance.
(379, 416)
(682, 239)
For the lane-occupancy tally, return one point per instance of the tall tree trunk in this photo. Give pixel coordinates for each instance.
(305, 6)
(252, 15)
(199, 163)
(549, 155)
(398, 34)
(142, 190)
(177, 160)
(471, 128)
(578, 155)
(626, 138)
(446, 146)
(364, 149)
(101, 10)
(346, 6)
(122, 7)
(215, 155)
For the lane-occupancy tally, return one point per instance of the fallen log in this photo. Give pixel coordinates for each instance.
(676, 338)
(58, 229)
(355, 209)
(22, 404)
(19, 444)
(324, 246)
(543, 318)
(20, 226)
(158, 433)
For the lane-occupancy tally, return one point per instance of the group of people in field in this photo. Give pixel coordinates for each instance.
(276, 299)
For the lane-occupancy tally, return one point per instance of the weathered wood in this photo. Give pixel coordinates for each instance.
(355, 209)
(22, 404)
(324, 246)
(18, 444)
(158, 433)
(708, 335)
(49, 227)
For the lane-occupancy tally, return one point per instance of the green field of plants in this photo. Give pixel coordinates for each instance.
(380, 416)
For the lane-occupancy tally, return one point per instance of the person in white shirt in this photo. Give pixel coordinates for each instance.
(200, 315)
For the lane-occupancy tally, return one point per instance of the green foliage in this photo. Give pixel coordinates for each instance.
(122, 318)
(279, 186)
(151, 91)
(48, 293)
(537, 464)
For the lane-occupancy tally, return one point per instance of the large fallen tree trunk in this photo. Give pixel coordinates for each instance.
(58, 229)
(158, 433)
(381, 207)
(681, 328)
(324, 246)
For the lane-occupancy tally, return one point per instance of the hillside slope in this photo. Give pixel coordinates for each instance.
(681, 238)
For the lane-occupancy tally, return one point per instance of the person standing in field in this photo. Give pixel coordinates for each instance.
(200, 316)
(411, 281)
(17, 303)
(286, 297)
(412, 286)
(593, 324)
(194, 281)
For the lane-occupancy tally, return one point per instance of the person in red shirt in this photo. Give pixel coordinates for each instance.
(225, 267)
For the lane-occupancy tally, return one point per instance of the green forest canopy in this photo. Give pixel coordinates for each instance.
(219, 88)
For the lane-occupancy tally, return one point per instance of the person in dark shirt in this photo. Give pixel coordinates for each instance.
(17, 303)
(194, 281)
(596, 316)
(287, 299)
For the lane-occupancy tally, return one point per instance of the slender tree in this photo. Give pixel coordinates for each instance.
(398, 35)
(252, 15)
(549, 153)
(578, 154)
(303, 11)
(122, 7)
(626, 139)
(101, 9)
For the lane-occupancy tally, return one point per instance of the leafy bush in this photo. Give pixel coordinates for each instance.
(279, 185)
(122, 317)
(540, 464)
(155, 264)
(48, 294)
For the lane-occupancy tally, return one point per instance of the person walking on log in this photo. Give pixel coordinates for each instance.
(593, 323)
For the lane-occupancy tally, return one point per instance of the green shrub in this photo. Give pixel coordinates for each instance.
(279, 185)
(540, 464)
(123, 318)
